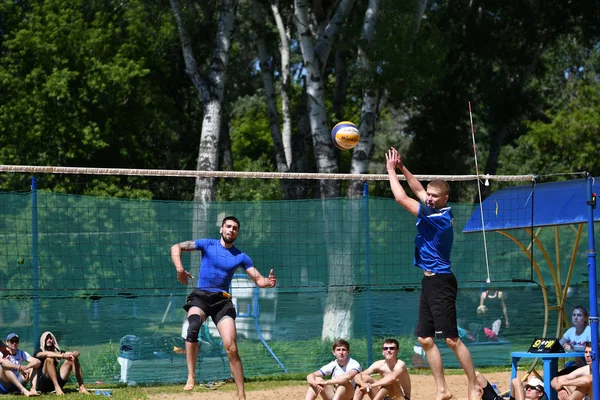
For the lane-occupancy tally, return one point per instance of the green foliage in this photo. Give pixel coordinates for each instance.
(87, 84)
(249, 129)
(250, 189)
(102, 361)
(574, 130)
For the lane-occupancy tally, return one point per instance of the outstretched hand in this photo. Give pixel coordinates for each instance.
(399, 163)
(183, 276)
(392, 159)
(272, 279)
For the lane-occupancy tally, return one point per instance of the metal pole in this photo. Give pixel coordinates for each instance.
(368, 274)
(34, 259)
(591, 202)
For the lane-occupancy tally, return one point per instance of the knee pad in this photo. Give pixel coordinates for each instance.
(195, 322)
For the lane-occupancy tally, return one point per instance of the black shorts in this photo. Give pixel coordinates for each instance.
(45, 385)
(437, 307)
(490, 394)
(214, 305)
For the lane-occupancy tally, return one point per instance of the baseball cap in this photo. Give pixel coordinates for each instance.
(536, 383)
(11, 336)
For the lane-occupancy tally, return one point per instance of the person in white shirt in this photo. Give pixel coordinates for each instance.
(13, 374)
(342, 371)
(575, 337)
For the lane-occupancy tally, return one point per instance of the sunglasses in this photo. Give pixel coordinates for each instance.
(14, 340)
(392, 348)
(527, 387)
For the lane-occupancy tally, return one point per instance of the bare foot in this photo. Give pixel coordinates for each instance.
(476, 393)
(83, 390)
(190, 385)
(446, 396)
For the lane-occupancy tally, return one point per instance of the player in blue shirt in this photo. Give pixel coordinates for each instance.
(433, 244)
(220, 260)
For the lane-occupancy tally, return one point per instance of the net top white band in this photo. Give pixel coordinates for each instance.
(244, 174)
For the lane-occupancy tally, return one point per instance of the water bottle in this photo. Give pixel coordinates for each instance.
(496, 387)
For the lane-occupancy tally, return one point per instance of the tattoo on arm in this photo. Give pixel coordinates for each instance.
(190, 245)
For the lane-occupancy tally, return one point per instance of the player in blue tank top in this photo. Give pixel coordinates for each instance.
(220, 260)
(433, 244)
(434, 240)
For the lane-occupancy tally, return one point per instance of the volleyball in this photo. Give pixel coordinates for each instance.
(481, 310)
(345, 135)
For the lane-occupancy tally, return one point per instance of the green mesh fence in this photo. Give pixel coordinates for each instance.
(97, 272)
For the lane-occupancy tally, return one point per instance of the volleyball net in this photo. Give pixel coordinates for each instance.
(85, 254)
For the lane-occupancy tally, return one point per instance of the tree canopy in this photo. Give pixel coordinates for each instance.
(105, 84)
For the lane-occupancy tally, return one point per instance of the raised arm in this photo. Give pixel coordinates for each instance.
(392, 161)
(176, 249)
(260, 280)
(413, 182)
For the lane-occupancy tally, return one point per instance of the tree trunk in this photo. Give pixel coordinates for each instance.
(270, 92)
(340, 89)
(336, 319)
(362, 153)
(284, 54)
(210, 90)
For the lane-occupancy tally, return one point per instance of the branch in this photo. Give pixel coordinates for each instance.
(191, 66)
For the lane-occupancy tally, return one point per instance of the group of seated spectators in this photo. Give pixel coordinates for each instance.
(42, 372)
(575, 385)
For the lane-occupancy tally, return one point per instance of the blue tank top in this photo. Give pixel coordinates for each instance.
(433, 243)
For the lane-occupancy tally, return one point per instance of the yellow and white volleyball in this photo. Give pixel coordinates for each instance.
(345, 135)
(481, 310)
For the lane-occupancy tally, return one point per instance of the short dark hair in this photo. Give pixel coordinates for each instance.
(391, 341)
(231, 218)
(340, 343)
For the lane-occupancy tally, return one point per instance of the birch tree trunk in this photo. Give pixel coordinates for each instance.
(337, 319)
(210, 89)
(362, 153)
(269, 85)
(372, 96)
(284, 54)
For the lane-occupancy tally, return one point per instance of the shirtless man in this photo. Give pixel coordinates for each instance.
(394, 382)
(577, 384)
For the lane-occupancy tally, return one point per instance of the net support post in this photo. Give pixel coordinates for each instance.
(368, 273)
(591, 203)
(34, 259)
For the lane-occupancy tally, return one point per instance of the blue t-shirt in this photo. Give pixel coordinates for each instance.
(219, 264)
(433, 243)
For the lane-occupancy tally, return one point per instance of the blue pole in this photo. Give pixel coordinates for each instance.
(368, 274)
(34, 258)
(591, 202)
